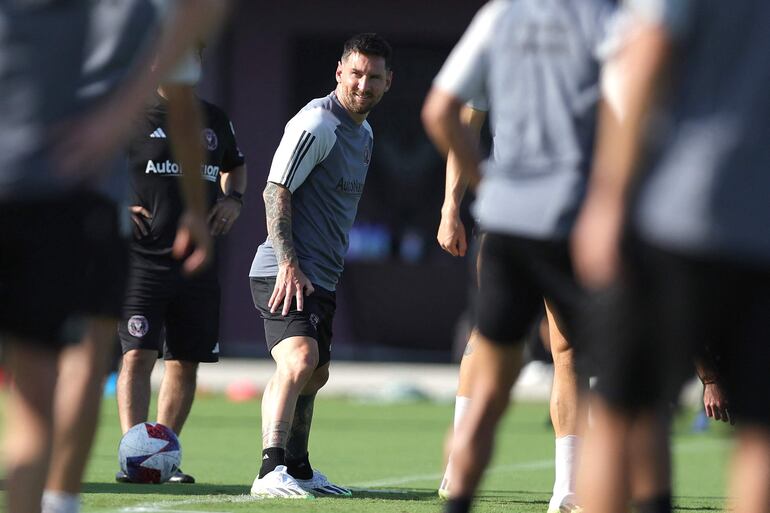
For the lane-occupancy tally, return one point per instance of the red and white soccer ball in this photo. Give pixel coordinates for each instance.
(149, 453)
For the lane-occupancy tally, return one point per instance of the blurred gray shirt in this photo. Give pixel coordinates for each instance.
(59, 58)
(537, 63)
(706, 186)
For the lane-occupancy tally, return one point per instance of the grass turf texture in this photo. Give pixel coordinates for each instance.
(390, 453)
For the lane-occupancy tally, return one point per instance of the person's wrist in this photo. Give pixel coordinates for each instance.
(450, 211)
(235, 196)
(287, 262)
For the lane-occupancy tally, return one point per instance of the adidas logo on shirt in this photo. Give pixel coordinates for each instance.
(158, 134)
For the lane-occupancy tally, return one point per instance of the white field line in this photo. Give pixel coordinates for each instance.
(528, 465)
(172, 505)
(168, 506)
(681, 447)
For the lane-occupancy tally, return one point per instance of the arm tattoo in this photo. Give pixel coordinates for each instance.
(296, 447)
(278, 215)
(275, 435)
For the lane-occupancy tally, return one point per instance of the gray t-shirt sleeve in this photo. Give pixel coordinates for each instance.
(674, 15)
(307, 140)
(464, 74)
(479, 103)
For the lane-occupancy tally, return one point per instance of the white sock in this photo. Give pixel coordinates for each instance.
(566, 468)
(60, 502)
(462, 404)
(461, 407)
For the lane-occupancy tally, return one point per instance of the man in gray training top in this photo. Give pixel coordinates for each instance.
(537, 62)
(315, 182)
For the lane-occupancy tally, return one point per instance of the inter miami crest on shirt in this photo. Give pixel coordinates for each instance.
(210, 139)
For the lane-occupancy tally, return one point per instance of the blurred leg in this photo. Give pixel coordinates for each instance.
(568, 415)
(29, 424)
(496, 369)
(82, 369)
(462, 403)
(750, 478)
(602, 479)
(649, 462)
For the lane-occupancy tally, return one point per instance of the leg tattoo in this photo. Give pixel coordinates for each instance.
(296, 446)
(275, 435)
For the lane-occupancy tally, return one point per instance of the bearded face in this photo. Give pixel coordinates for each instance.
(361, 82)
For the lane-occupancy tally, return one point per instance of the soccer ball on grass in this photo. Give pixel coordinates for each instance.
(149, 453)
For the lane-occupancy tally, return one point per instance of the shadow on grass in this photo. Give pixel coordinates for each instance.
(167, 489)
(395, 494)
(515, 497)
(720, 506)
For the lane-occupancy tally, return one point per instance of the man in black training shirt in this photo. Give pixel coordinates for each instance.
(166, 313)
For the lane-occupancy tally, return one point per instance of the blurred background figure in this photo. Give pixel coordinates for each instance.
(538, 65)
(63, 256)
(674, 235)
(567, 415)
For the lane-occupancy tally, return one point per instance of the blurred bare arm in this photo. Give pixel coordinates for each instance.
(441, 119)
(451, 232)
(184, 127)
(84, 147)
(597, 232)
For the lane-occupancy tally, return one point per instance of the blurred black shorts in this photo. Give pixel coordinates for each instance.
(62, 260)
(515, 274)
(671, 308)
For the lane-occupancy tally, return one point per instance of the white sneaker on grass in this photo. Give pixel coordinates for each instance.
(443, 489)
(320, 485)
(278, 484)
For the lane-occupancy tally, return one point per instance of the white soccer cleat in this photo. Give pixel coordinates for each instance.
(320, 485)
(278, 484)
(443, 489)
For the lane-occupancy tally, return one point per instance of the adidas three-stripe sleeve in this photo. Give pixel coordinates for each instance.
(307, 140)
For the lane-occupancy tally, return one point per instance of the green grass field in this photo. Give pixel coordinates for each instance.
(390, 453)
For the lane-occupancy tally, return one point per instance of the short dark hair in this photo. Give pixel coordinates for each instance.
(371, 44)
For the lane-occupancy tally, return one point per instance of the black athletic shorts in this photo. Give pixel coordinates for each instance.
(61, 260)
(166, 311)
(314, 321)
(670, 308)
(515, 274)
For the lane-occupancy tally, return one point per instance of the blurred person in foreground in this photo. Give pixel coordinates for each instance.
(566, 411)
(165, 312)
(673, 234)
(311, 199)
(537, 62)
(62, 260)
